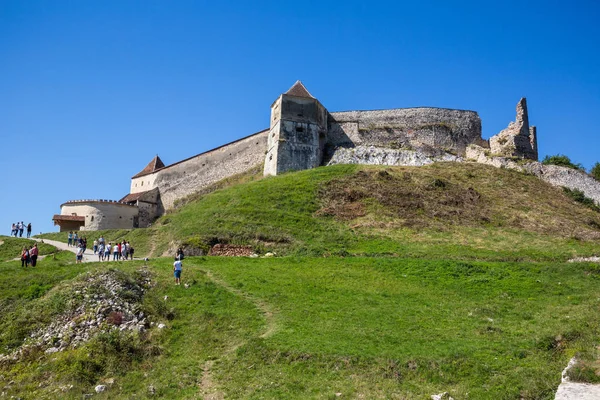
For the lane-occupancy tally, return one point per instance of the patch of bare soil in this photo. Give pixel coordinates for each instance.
(230, 250)
(414, 201)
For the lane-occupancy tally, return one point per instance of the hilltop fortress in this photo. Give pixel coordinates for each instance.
(303, 134)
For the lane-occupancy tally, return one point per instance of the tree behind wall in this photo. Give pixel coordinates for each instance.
(595, 171)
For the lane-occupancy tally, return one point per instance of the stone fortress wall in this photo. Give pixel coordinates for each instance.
(408, 128)
(188, 176)
(303, 135)
(101, 214)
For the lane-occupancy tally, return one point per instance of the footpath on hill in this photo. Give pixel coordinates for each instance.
(567, 390)
(87, 256)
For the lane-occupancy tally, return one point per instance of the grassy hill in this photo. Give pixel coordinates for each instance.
(389, 283)
(445, 210)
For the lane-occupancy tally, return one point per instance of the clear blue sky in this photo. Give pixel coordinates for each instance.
(90, 91)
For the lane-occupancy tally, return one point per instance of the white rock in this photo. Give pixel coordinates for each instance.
(51, 350)
(441, 396)
(161, 326)
(100, 388)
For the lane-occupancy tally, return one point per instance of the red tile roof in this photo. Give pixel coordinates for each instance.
(132, 197)
(152, 166)
(60, 217)
(299, 90)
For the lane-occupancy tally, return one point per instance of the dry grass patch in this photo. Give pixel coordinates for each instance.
(446, 195)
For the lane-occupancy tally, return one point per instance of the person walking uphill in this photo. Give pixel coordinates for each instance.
(28, 230)
(33, 254)
(177, 267)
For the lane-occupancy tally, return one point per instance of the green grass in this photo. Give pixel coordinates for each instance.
(390, 283)
(11, 247)
(304, 327)
(473, 212)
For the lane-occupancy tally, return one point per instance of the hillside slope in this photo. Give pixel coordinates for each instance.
(449, 210)
(388, 283)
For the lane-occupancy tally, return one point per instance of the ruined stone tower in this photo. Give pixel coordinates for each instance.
(297, 132)
(518, 139)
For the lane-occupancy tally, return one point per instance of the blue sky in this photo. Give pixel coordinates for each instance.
(90, 90)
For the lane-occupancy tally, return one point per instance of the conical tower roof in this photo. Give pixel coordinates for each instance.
(299, 90)
(152, 166)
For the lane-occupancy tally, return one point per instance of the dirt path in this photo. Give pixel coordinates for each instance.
(209, 389)
(88, 256)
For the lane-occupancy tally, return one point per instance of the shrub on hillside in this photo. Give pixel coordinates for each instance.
(595, 171)
(562, 161)
(580, 197)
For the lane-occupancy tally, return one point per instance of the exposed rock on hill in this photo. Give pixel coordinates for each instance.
(99, 302)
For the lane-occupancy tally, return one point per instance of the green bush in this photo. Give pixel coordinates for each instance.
(595, 171)
(580, 197)
(562, 161)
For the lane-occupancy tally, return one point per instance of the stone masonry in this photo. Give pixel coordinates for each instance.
(304, 135)
(518, 139)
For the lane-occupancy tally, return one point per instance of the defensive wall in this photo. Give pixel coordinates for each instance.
(405, 128)
(303, 134)
(192, 174)
(102, 214)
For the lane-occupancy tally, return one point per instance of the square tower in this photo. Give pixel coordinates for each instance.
(298, 132)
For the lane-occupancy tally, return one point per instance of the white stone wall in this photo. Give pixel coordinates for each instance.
(188, 176)
(143, 183)
(101, 214)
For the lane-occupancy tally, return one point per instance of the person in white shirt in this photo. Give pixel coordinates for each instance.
(79, 255)
(177, 267)
(107, 250)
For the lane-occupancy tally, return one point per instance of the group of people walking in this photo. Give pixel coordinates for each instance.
(120, 250)
(18, 228)
(76, 241)
(29, 256)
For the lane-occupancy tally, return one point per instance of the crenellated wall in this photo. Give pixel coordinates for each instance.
(303, 135)
(102, 214)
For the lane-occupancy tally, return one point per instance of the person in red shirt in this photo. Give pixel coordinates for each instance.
(33, 253)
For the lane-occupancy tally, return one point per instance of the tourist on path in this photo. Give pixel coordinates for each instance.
(75, 239)
(124, 250)
(116, 252)
(29, 231)
(25, 257)
(177, 267)
(95, 246)
(70, 239)
(21, 226)
(107, 250)
(79, 254)
(33, 253)
(101, 252)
